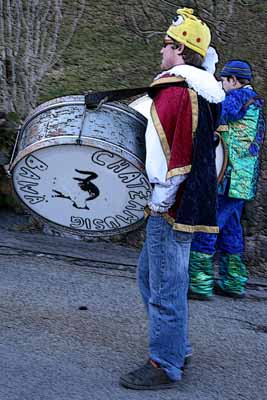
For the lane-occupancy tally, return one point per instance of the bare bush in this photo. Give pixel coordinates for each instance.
(140, 17)
(33, 36)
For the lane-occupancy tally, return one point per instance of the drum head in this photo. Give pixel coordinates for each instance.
(142, 105)
(83, 188)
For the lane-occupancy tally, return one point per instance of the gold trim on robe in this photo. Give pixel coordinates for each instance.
(160, 132)
(184, 227)
(169, 79)
(222, 128)
(194, 106)
(179, 171)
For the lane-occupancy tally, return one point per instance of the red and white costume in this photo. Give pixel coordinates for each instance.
(170, 132)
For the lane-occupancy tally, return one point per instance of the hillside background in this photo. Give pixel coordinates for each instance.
(61, 47)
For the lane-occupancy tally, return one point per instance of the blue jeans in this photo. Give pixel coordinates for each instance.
(230, 239)
(163, 282)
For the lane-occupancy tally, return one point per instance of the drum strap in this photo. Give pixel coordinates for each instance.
(252, 101)
(95, 99)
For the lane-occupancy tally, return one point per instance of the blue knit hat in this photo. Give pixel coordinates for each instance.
(238, 68)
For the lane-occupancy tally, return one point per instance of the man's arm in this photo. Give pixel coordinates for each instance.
(163, 195)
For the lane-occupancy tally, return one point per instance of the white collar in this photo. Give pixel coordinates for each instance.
(203, 82)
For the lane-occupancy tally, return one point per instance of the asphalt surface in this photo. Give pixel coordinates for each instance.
(71, 321)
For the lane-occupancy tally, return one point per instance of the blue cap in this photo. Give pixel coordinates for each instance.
(238, 68)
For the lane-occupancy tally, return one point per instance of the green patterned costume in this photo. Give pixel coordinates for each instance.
(243, 148)
(242, 130)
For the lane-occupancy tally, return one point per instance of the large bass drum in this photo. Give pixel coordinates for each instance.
(143, 105)
(81, 169)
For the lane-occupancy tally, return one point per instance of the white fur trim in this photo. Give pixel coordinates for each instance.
(199, 80)
(211, 60)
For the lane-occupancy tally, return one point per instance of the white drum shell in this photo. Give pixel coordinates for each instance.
(97, 187)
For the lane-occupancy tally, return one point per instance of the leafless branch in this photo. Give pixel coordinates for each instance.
(32, 39)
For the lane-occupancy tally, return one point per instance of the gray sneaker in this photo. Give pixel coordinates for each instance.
(147, 378)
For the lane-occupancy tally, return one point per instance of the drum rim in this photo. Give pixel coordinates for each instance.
(139, 100)
(225, 158)
(135, 161)
(79, 100)
(52, 103)
(79, 232)
(72, 140)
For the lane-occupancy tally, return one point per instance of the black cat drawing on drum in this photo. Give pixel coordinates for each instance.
(86, 185)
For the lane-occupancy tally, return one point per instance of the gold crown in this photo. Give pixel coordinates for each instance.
(190, 31)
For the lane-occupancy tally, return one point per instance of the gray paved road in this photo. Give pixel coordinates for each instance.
(51, 350)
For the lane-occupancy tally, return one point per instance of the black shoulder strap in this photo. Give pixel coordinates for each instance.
(93, 99)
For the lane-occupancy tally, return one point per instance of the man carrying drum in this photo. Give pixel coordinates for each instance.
(180, 165)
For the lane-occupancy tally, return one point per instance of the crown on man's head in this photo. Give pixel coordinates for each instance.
(189, 30)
